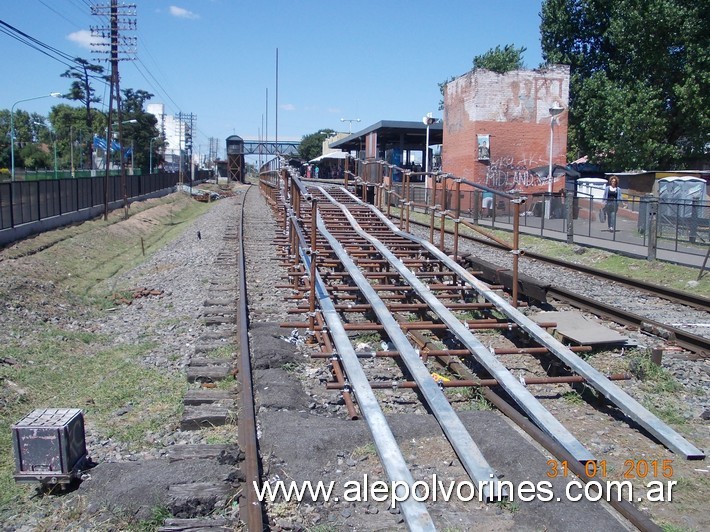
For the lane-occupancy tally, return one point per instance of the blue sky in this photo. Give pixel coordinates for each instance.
(372, 60)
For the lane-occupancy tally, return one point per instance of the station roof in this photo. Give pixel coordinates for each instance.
(394, 133)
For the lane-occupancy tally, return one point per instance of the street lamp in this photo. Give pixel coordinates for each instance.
(428, 120)
(151, 154)
(351, 120)
(555, 111)
(54, 142)
(12, 127)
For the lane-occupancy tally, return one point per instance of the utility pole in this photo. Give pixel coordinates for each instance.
(119, 48)
(189, 120)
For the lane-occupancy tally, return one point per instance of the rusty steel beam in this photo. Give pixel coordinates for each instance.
(246, 427)
(470, 455)
(509, 382)
(476, 383)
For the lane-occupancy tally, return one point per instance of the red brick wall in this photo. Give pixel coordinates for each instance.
(513, 109)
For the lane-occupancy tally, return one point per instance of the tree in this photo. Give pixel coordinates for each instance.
(138, 134)
(27, 132)
(496, 59)
(639, 78)
(501, 60)
(82, 90)
(312, 145)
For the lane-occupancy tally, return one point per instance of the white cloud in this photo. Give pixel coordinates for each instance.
(182, 13)
(288, 107)
(84, 39)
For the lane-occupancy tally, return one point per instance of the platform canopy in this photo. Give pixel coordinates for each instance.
(393, 134)
(334, 155)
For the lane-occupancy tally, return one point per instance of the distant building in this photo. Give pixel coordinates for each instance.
(497, 127)
(173, 131)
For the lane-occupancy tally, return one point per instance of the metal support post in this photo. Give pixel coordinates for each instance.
(444, 202)
(569, 202)
(516, 243)
(433, 210)
(457, 219)
(408, 197)
(313, 280)
(652, 228)
(476, 207)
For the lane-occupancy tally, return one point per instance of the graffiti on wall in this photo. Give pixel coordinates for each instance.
(506, 174)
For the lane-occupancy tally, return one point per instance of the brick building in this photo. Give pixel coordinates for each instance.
(497, 127)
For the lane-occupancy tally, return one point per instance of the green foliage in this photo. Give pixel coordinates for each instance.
(501, 60)
(312, 145)
(659, 378)
(508, 505)
(81, 88)
(573, 397)
(476, 399)
(640, 73)
(497, 59)
(158, 516)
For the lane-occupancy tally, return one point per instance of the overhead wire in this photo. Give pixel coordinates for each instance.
(71, 61)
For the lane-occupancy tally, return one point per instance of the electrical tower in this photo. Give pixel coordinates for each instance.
(117, 47)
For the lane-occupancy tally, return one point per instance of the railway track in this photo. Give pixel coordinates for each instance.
(353, 271)
(694, 343)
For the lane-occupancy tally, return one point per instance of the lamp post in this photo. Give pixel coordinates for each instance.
(428, 120)
(71, 149)
(150, 155)
(12, 127)
(351, 120)
(554, 113)
(53, 134)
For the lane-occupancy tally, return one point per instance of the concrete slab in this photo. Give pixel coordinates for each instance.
(580, 330)
(305, 447)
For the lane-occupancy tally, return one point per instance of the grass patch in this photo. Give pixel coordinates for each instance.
(158, 516)
(290, 367)
(225, 351)
(670, 413)
(573, 397)
(222, 435)
(659, 379)
(368, 338)
(368, 449)
(69, 272)
(69, 369)
(508, 505)
(476, 400)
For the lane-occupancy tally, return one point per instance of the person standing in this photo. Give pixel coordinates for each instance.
(487, 203)
(612, 197)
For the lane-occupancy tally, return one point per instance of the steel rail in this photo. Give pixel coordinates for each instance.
(627, 404)
(676, 296)
(468, 452)
(520, 394)
(246, 430)
(415, 513)
(691, 342)
(624, 507)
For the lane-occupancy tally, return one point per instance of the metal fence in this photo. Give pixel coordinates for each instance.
(23, 202)
(682, 225)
